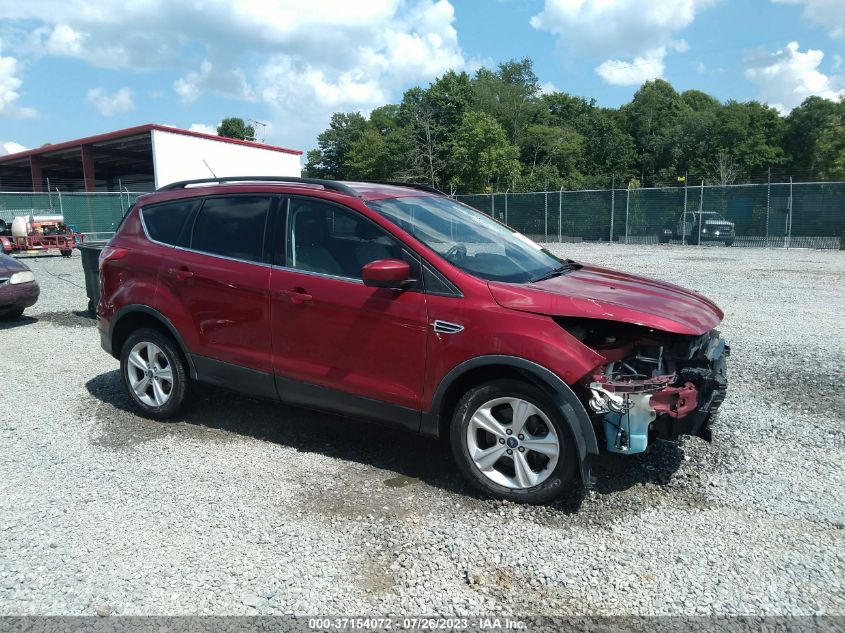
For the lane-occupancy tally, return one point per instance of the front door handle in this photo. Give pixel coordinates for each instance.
(181, 274)
(297, 295)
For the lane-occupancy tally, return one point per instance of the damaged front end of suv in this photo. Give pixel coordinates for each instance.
(654, 385)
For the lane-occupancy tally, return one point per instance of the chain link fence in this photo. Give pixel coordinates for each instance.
(809, 215)
(95, 214)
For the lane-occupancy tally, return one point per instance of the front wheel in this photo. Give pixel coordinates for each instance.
(729, 242)
(512, 442)
(154, 373)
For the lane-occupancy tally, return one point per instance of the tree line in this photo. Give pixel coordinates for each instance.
(498, 130)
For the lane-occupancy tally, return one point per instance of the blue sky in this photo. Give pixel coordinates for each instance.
(70, 68)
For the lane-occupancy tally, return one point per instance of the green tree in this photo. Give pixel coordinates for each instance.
(751, 135)
(329, 161)
(481, 154)
(831, 145)
(236, 127)
(653, 116)
(551, 150)
(510, 95)
(804, 127)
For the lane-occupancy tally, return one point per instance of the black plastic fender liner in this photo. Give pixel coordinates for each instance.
(136, 308)
(573, 410)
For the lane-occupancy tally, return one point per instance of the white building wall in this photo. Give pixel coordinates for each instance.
(180, 157)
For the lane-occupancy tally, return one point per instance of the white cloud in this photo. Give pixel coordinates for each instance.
(829, 14)
(10, 147)
(679, 46)
(10, 85)
(787, 77)
(622, 73)
(205, 129)
(548, 88)
(302, 59)
(700, 68)
(229, 83)
(111, 104)
(631, 35)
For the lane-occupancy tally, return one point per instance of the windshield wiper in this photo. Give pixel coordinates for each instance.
(567, 267)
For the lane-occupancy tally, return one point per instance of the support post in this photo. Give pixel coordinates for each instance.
(700, 209)
(560, 216)
(768, 204)
(627, 206)
(88, 172)
(546, 206)
(789, 217)
(36, 173)
(684, 219)
(612, 205)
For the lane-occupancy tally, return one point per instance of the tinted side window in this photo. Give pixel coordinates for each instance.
(164, 222)
(232, 227)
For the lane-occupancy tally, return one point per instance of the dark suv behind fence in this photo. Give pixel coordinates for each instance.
(398, 304)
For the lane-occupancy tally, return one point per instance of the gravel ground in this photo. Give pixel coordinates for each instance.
(250, 507)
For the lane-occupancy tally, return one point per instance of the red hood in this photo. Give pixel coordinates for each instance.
(600, 293)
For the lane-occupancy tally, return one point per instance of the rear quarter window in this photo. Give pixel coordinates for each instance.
(165, 222)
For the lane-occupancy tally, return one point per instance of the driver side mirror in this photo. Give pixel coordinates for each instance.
(387, 273)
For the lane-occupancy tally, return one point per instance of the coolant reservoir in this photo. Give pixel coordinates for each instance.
(20, 226)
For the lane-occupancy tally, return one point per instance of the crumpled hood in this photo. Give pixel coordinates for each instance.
(601, 293)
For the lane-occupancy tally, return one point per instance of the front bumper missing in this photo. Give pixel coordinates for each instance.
(634, 413)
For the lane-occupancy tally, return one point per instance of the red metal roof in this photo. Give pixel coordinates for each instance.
(141, 129)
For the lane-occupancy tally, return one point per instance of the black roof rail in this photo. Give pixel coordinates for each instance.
(332, 185)
(411, 185)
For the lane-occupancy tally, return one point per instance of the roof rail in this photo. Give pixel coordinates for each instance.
(325, 184)
(411, 185)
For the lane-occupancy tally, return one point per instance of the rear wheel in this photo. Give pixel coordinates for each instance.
(729, 242)
(154, 373)
(512, 442)
(67, 253)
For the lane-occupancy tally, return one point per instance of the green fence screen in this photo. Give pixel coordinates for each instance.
(779, 214)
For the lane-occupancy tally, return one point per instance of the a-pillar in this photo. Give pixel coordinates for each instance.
(88, 168)
(36, 173)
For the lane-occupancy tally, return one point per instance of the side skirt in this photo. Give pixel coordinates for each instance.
(265, 385)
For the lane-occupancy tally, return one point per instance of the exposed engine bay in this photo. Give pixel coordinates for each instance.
(655, 385)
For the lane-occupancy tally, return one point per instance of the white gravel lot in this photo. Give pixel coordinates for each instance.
(251, 507)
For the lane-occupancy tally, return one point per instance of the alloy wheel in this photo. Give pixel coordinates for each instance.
(150, 374)
(513, 443)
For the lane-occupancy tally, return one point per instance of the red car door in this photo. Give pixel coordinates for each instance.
(221, 283)
(337, 343)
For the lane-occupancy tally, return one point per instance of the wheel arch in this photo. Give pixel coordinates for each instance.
(484, 368)
(132, 317)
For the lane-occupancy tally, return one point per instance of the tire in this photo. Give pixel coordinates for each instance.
(548, 476)
(12, 315)
(66, 253)
(729, 242)
(155, 400)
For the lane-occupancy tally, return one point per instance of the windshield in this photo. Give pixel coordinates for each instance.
(711, 216)
(469, 239)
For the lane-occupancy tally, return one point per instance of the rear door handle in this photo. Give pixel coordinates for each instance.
(297, 295)
(181, 274)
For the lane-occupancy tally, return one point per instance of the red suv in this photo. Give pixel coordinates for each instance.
(396, 303)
